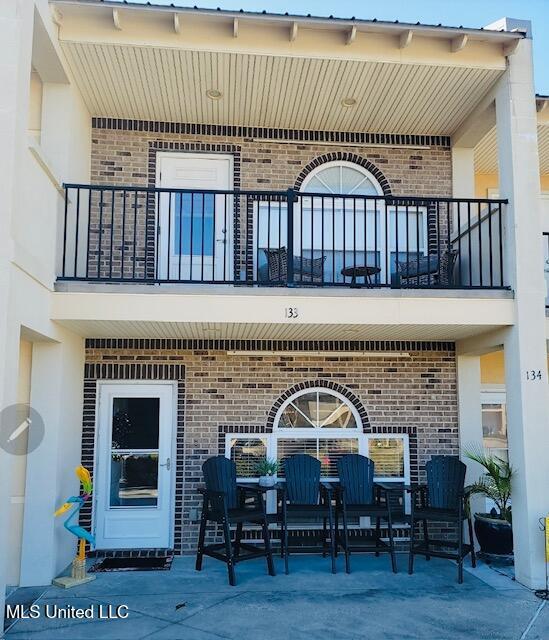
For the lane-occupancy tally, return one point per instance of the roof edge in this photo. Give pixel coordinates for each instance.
(304, 19)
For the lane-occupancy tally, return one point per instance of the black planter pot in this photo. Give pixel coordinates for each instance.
(494, 535)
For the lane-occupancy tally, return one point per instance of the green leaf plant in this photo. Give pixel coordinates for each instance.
(496, 481)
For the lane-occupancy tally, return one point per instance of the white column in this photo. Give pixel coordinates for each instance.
(470, 419)
(56, 393)
(525, 346)
(463, 172)
(37, 558)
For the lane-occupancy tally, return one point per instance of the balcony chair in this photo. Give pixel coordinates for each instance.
(425, 272)
(305, 269)
(358, 496)
(443, 499)
(225, 503)
(302, 497)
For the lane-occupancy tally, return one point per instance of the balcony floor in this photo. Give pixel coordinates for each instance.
(371, 602)
(255, 290)
(198, 312)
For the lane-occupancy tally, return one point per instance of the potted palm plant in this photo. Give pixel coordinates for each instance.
(267, 470)
(493, 530)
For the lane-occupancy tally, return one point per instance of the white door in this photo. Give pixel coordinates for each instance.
(195, 228)
(134, 463)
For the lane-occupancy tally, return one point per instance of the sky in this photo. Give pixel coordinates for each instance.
(468, 13)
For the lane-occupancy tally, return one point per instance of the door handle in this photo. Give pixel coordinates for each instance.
(167, 464)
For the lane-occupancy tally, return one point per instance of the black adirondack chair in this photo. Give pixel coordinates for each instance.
(226, 504)
(443, 499)
(359, 496)
(304, 496)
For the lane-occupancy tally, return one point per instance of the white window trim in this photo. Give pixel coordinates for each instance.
(354, 433)
(304, 392)
(363, 449)
(341, 163)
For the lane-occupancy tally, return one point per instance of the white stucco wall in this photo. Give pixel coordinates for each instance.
(30, 173)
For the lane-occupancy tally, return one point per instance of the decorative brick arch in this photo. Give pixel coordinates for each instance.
(347, 157)
(326, 384)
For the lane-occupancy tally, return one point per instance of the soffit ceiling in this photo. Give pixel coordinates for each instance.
(256, 331)
(170, 84)
(486, 155)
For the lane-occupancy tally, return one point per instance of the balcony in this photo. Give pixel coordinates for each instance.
(120, 234)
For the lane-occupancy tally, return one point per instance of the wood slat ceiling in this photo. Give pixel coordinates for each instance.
(150, 83)
(486, 154)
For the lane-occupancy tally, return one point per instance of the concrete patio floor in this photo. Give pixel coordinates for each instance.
(370, 603)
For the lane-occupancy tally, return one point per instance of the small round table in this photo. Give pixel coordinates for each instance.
(360, 271)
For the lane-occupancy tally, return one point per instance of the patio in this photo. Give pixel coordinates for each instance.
(371, 602)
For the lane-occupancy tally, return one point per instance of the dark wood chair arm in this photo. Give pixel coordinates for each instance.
(339, 493)
(250, 488)
(212, 494)
(327, 491)
(415, 488)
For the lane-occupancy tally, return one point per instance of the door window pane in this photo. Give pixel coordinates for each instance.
(246, 453)
(388, 457)
(194, 217)
(135, 423)
(134, 480)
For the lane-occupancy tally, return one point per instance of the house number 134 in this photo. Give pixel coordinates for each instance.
(292, 312)
(532, 374)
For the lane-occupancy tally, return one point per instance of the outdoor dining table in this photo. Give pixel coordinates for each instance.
(360, 271)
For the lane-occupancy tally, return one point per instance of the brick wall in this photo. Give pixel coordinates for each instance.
(127, 157)
(124, 153)
(413, 393)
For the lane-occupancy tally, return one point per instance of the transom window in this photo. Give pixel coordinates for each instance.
(342, 178)
(317, 409)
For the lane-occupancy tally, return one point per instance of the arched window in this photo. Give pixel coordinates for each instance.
(347, 222)
(320, 422)
(325, 424)
(343, 178)
(317, 409)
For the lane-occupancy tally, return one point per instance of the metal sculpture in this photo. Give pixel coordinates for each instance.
(74, 504)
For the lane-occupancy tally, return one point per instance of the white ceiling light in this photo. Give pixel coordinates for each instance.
(214, 94)
(348, 102)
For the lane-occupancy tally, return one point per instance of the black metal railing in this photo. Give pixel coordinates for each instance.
(280, 238)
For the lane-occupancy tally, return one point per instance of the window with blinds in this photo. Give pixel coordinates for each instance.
(327, 450)
(324, 424)
(388, 456)
(247, 453)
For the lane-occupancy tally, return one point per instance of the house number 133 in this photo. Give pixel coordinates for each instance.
(292, 312)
